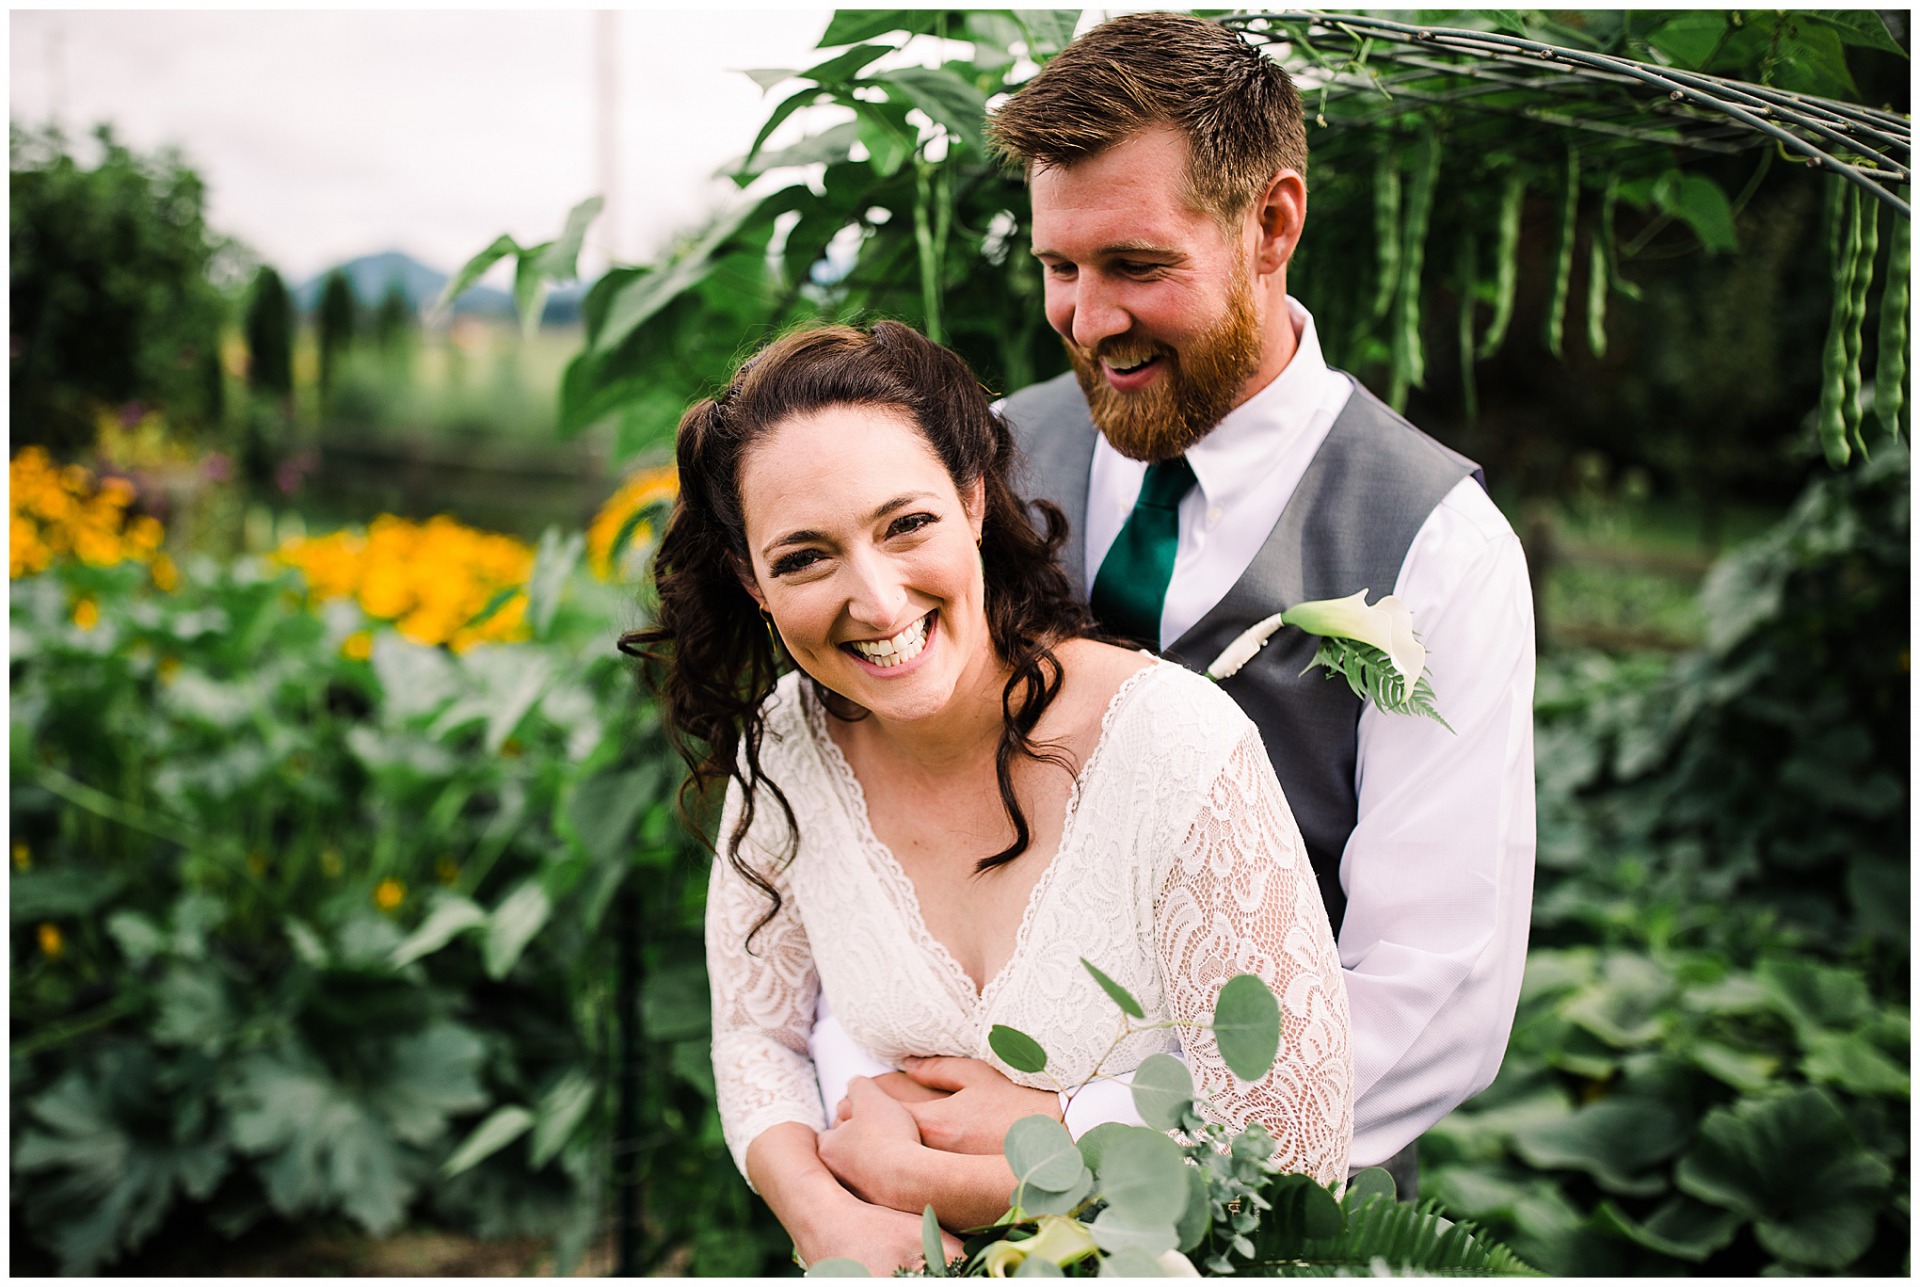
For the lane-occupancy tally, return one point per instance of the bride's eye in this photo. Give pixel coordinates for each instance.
(798, 561)
(910, 523)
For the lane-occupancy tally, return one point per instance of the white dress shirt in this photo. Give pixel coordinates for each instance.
(1438, 872)
(1439, 869)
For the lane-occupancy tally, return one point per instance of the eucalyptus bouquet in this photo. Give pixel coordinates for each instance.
(1151, 1201)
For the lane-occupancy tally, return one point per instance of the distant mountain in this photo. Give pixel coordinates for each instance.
(371, 275)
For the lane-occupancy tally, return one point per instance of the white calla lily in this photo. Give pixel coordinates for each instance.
(1387, 625)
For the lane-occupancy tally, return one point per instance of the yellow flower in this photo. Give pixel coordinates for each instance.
(644, 488)
(22, 856)
(86, 614)
(51, 942)
(389, 894)
(357, 646)
(166, 577)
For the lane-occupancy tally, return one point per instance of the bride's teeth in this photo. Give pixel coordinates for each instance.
(899, 650)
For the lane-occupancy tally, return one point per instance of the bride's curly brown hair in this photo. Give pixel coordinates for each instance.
(709, 660)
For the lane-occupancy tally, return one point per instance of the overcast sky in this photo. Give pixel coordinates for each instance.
(323, 136)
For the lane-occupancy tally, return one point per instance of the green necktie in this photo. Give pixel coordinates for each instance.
(1131, 588)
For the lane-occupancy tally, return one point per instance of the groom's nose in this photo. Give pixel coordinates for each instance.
(1094, 312)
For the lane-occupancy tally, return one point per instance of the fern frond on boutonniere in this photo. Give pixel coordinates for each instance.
(1373, 648)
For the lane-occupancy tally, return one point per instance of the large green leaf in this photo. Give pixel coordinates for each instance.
(61, 893)
(1814, 997)
(520, 916)
(851, 25)
(1700, 203)
(606, 807)
(1849, 1061)
(471, 271)
(561, 1110)
(1682, 1228)
(1792, 1165)
(1121, 997)
(1858, 27)
(451, 915)
(1615, 1141)
(502, 1127)
(1048, 30)
(1246, 1022)
(640, 298)
(944, 96)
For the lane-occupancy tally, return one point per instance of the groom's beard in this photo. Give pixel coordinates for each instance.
(1192, 395)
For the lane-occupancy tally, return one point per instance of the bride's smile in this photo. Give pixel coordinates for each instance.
(864, 556)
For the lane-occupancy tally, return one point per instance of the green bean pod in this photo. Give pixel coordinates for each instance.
(1467, 273)
(1599, 271)
(1386, 231)
(1506, 270)
(1563, 256)
(1890, 372)
(1859, 282)
(1832, 422)
(1409, 357)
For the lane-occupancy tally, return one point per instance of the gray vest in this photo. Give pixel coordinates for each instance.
(1347, 527)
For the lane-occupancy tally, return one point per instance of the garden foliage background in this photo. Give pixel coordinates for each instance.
(330, 844)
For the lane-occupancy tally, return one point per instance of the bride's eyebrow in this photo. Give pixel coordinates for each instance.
(808, 535)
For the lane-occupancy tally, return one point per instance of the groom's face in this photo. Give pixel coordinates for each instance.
(1153, 297)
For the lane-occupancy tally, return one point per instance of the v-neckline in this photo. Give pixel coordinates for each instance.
(853, 799)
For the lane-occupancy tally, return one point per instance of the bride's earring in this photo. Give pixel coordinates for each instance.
(773, 638)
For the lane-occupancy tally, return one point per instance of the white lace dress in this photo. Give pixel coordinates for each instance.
(1179, 866)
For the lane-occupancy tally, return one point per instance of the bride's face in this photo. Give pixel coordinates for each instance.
(865, 555)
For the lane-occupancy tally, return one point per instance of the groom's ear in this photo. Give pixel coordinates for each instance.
(1279, 213)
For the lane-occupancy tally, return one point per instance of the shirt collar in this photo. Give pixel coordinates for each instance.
(1240, 451)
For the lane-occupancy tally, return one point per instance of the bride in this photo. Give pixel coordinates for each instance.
(952, 797)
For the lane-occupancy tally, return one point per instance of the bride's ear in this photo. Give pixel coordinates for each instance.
(974, 501)
(749, 583)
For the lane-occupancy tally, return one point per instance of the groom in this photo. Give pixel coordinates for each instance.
(1215, 471)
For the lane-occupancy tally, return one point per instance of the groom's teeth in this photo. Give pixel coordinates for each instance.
(900, 649)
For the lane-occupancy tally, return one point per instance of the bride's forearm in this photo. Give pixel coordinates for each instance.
(966, 1190)
(785, 1167)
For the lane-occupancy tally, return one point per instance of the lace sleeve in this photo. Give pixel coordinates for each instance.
(763, 1000)
(1237, 897)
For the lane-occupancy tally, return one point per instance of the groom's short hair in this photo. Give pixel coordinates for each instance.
(1237, 108)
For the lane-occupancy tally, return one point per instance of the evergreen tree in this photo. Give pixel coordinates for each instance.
(338, 319)
(270, 335)
(394, 319)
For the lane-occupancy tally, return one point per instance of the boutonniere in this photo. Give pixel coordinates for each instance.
(1373, 648)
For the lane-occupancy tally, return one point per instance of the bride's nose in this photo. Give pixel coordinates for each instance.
(876, 597)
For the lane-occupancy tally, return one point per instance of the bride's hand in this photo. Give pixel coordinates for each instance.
(897, 1084)
(982, 1104)
(881, 1239)
(875, 1150)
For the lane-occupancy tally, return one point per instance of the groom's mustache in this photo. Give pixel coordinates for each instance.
(1124, 351)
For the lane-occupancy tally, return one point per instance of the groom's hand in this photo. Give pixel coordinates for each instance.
(875, 1150)
(981, 1105)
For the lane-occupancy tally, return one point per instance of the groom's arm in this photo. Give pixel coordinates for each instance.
(1439, 869)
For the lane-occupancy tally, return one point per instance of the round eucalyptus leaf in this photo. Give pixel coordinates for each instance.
(1016, 1049)
(1116, 1230)
(1246, 1022)
(930, 1243)
(1042, 1154)
(1142, 1176)
(1093, 1144)
(1036, 1201)
(1792, 1165)
(1367, 1183)
(1121, 997)
(1162, 1091)
(837, 1267)
(1132, 1262)
(1197, 1219)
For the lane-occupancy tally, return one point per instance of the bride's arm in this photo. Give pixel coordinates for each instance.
(1237, 896)
(763, 999)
